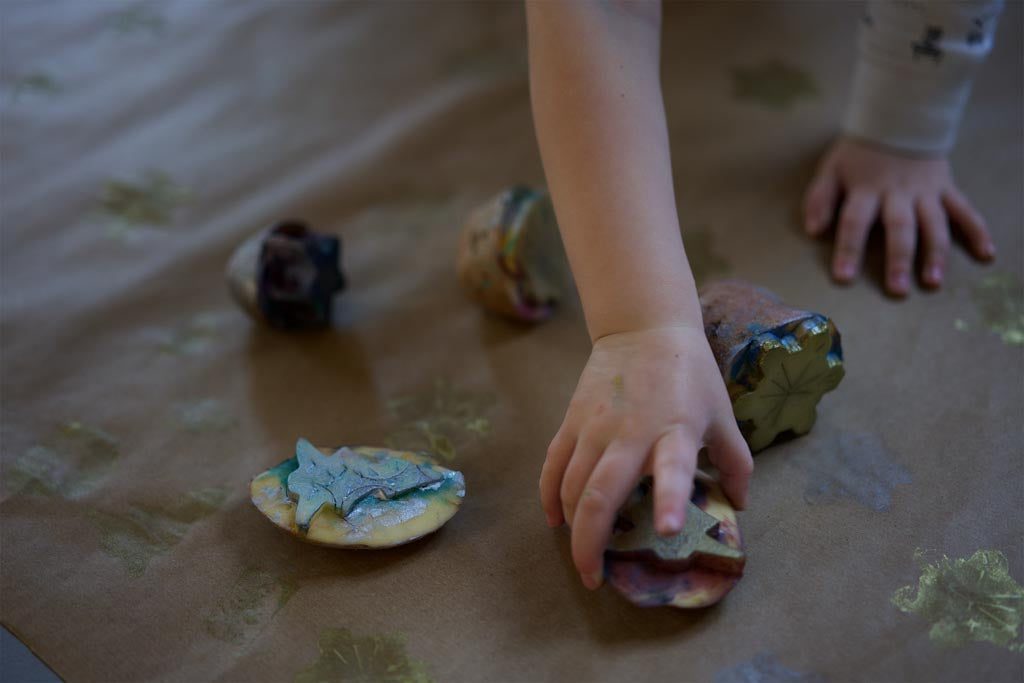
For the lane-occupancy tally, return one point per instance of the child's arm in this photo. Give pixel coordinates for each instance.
(651, 395)
(917, 62)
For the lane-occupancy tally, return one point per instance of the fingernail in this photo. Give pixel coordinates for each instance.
(989, 249)
(901, 282)
(934, 274)
(670, 524)
(844, 270)
(592, 581)
(552, 522)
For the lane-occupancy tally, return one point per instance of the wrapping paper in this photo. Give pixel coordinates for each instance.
(141, 142)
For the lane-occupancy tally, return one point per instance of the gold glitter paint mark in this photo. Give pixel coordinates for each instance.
(618, 391)
(441, 420)
(999, 299)
(149, 202)
(705, 262)
(345, 656)
(255, 597)
(967, 599)
(773, 84)
(71, 463)
(145, 531)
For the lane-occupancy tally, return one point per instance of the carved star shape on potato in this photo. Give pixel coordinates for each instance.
(792, 374)
(694, 544)
(346, 477)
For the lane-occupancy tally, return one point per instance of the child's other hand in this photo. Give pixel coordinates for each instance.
(647, 402)
(915, 198)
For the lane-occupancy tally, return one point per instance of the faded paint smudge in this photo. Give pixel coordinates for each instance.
(440, 420)
(140, 19)
(71, 463)
(347, 657)
(853, 466)
(255, 597)
(773, 84)
(705, 262)
(999, 299)
(150, 202)
(204, 415)
(193, 336)
(765, 668)
(145, 531)
(967, 599)
(37, 82)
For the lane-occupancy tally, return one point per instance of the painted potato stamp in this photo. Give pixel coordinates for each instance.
(510, 257)
(358, 497)
(777, 361)
(695, 568)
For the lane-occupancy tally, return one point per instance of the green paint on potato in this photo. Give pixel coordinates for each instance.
(255, 597)
(773, 84)
(73, 462)
(145, 531)
(441, 420)
(967, 599)
(149, 202)
(347, 657)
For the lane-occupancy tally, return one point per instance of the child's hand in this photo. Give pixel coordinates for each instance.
(915, 198)
(646, 402)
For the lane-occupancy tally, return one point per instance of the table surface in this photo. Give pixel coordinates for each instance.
(143, 142)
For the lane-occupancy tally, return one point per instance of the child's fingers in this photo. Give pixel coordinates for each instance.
(971, 224)
(559, 452)
(859, 212)
(584, 457)
(933, 221)
(607, 488)
(900, 242)
(675, 459)
(730, 455)
(820, 202)
(935, 249)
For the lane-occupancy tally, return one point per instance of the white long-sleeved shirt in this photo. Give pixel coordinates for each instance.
(917, 64)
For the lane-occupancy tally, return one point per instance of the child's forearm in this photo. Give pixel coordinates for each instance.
(916, 66)
(600, 121)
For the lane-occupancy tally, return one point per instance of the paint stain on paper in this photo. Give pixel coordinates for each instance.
(194, 336)
(442, 420)
(705, 262)
(73, 462)
(999, 299)
(149, 202)
(35, 83)
(773, 84)
(254, 599)
(146, 531)
(765, 668)
(967, 599)
(139, 19)
(345, 656)
(852, 466)
(204, 415)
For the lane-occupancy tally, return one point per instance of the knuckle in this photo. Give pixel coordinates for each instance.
(593, 502)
